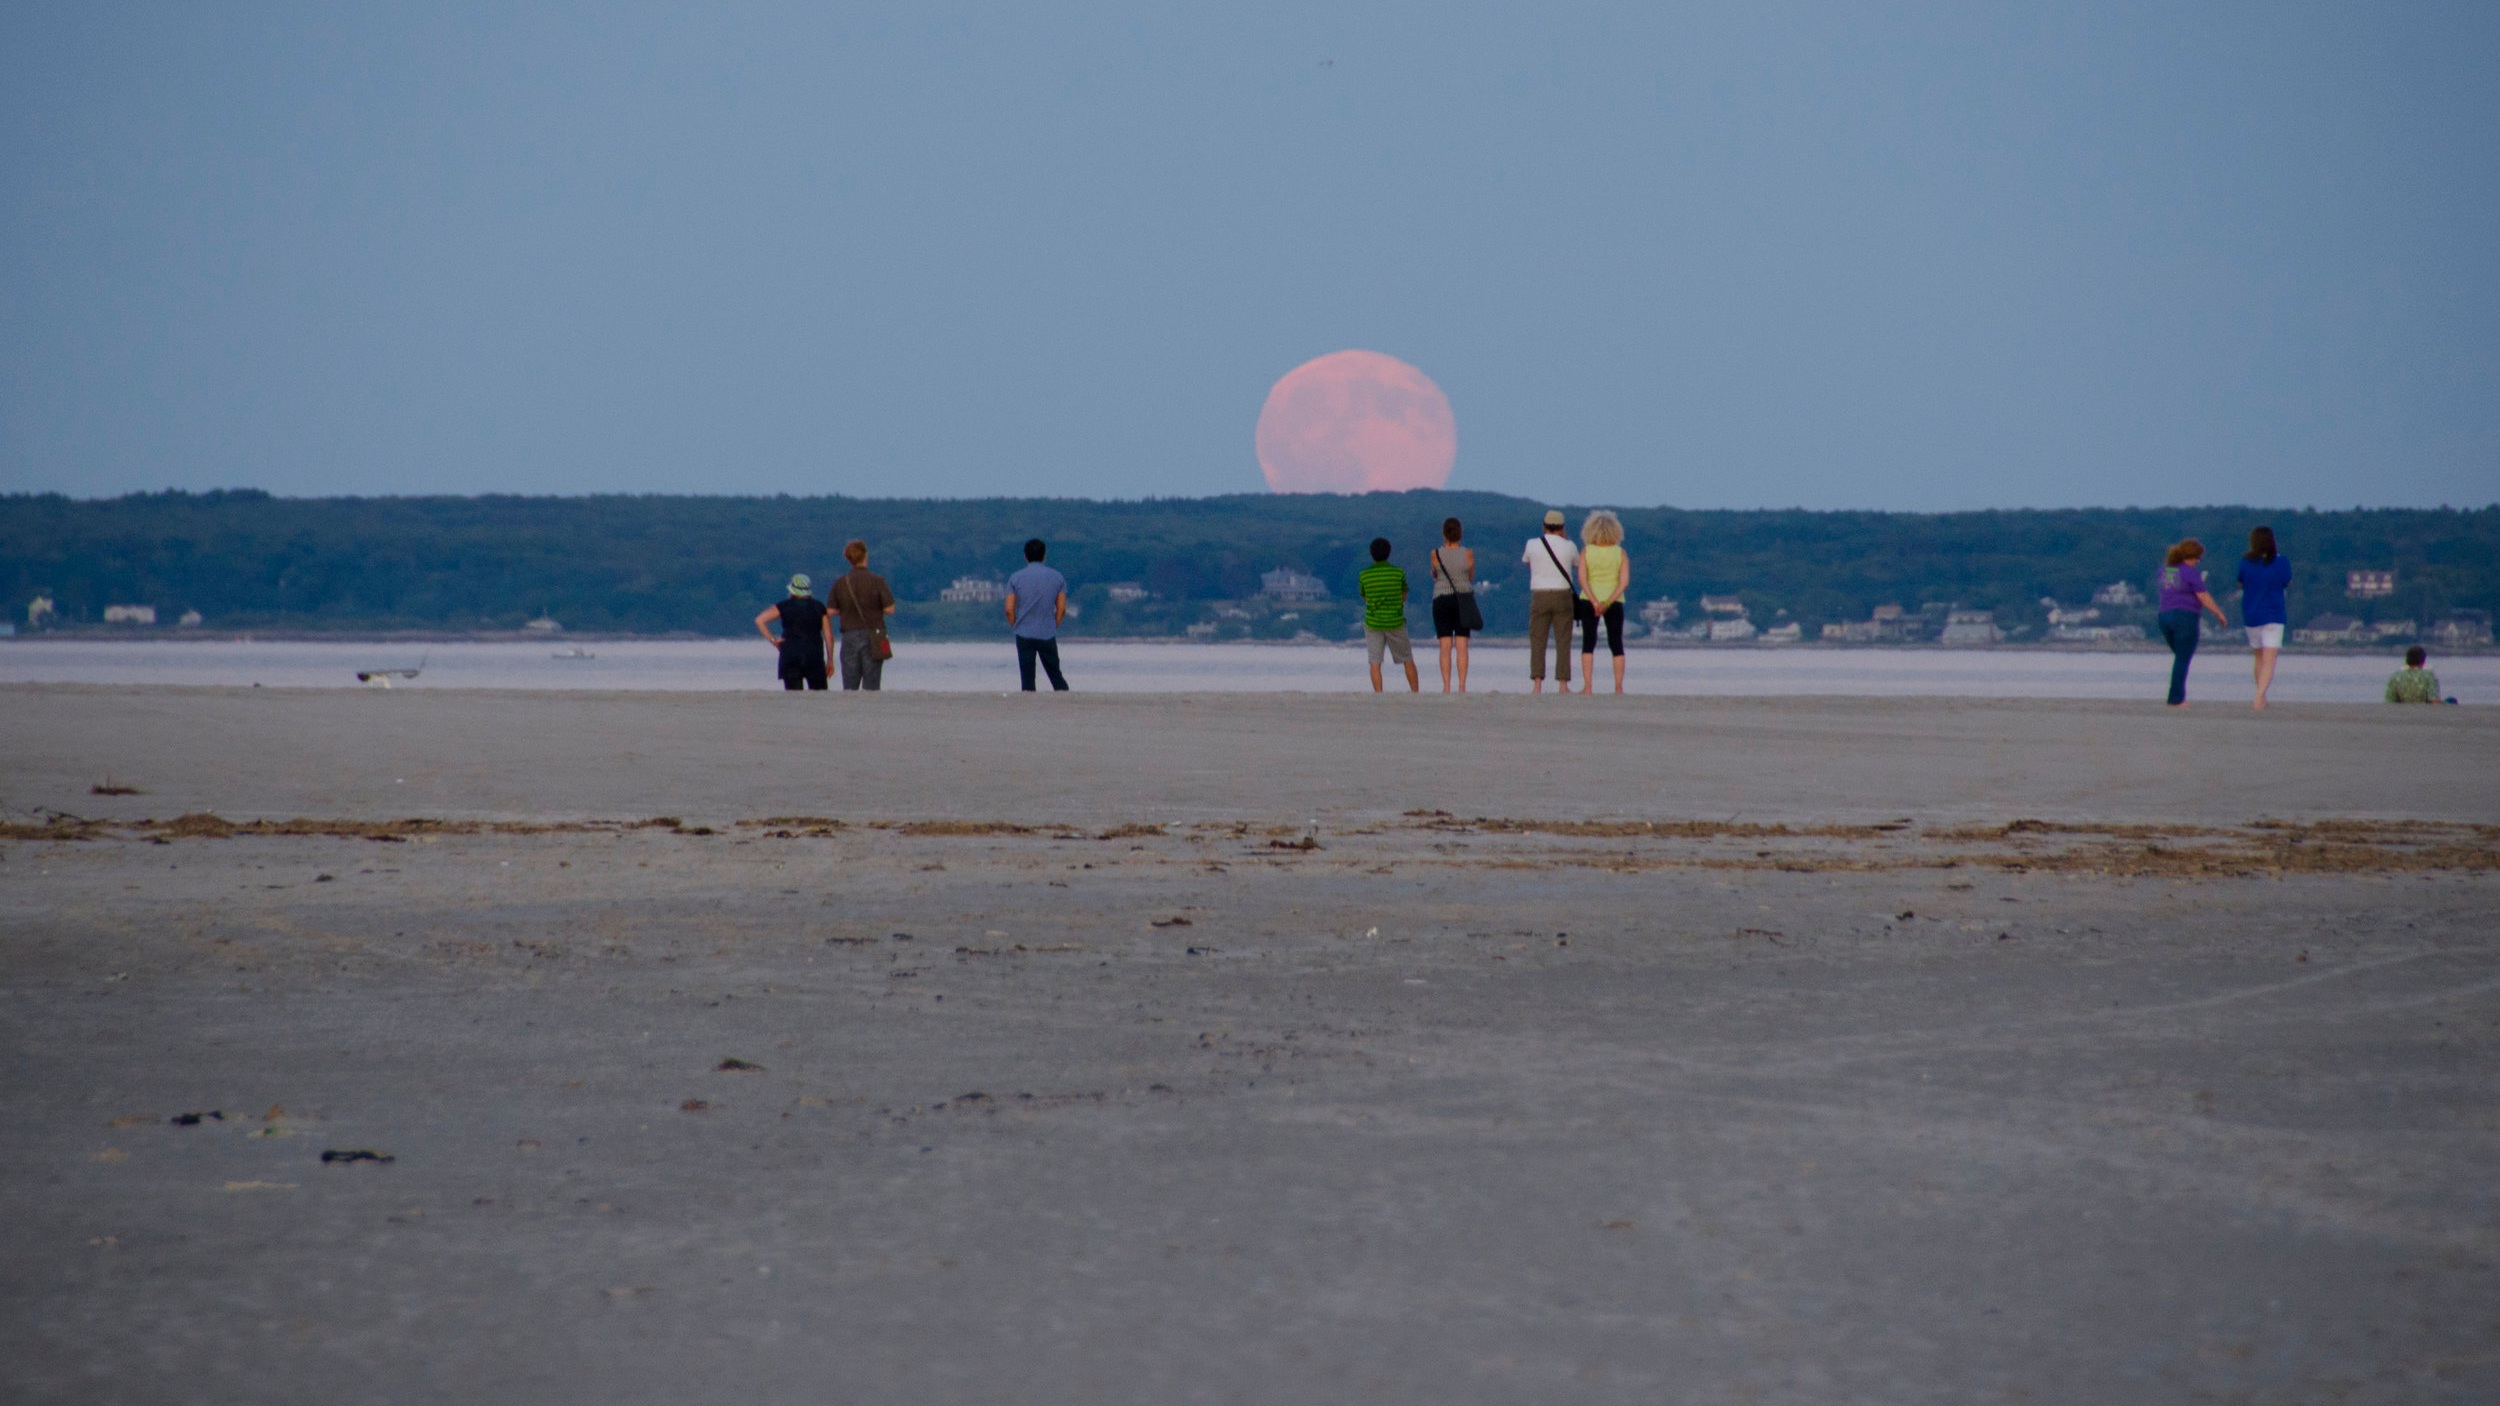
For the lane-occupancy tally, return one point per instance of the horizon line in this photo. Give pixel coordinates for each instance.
(33, 494)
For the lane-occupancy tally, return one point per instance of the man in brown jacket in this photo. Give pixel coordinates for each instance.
(863, 600)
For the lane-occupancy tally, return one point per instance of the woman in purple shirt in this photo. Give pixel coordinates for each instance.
(2183, 594)
(2263, 576)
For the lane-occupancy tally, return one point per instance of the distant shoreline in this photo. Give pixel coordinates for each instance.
(2225, 641)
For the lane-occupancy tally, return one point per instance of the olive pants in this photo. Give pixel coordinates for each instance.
(1549, 612)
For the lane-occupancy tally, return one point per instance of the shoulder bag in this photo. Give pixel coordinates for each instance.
(1470, 615)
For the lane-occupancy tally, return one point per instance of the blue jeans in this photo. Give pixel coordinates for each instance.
(1048, 652)
(861, 668)
(2179, 628)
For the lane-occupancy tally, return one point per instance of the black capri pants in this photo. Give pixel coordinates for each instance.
(1614, 628)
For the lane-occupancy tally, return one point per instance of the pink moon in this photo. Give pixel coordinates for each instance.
(1356, 422)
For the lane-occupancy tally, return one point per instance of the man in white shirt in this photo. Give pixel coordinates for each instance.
(1551, 559)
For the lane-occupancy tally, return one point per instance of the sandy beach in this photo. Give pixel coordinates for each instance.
(1248, 1048)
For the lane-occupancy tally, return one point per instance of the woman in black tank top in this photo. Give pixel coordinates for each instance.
(1455, 615)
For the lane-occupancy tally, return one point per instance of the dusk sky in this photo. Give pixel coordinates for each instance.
(1756, 255)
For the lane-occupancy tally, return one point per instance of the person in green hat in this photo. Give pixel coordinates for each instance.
(806, 636)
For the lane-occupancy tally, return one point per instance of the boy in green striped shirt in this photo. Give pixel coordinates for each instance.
(1384, 616)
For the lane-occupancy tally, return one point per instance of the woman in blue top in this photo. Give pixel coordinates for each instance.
(2183, 595)
(2263, 575)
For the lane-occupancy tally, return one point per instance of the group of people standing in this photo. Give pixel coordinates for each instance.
(858, 603)
(1570, 584)
(1037, 605)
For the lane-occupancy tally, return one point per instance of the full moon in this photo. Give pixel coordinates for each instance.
(1356, 422)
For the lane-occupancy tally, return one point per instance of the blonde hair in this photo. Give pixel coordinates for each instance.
(1602, 529)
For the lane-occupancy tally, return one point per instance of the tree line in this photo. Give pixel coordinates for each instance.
(703, 565)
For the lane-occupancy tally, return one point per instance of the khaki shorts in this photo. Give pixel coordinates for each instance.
(1394, 642)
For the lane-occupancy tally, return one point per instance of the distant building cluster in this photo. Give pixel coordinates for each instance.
(2463, 629)
(1936, 622)
(2369, 585)
(977, 590)
(2088, 624)
(43, 613)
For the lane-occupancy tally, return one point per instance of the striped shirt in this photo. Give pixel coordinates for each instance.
(1384, 596)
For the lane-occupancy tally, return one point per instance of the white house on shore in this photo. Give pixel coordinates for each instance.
(981, 590)
(1971, 627)
(1285, 583)
(130, 615)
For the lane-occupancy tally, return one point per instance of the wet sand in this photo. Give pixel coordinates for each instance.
(1101, 758)
(1245, 1049)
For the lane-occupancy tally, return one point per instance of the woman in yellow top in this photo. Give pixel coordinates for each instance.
(1605, 574)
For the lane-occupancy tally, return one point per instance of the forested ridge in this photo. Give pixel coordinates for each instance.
(657, 564)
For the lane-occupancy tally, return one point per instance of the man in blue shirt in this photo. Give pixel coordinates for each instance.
(1037, 602)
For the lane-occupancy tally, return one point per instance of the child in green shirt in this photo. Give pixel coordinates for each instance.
(1384, 616)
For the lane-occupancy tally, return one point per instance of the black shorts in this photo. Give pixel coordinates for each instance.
(1588, 628)
(1445, 619)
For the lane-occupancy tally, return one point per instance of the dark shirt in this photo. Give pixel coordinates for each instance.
(803, 626)
(862, 597)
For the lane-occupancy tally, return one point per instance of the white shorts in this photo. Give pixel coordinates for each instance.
(2265, 637)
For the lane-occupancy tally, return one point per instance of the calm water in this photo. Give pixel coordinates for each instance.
(2221, 676)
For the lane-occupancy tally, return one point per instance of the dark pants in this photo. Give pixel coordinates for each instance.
(2179, 628)
(1613, 621)
(1048, 652)
(802, 669)
(861, 668)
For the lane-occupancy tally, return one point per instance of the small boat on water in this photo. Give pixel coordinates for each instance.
(576, 652)
(381, 678)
